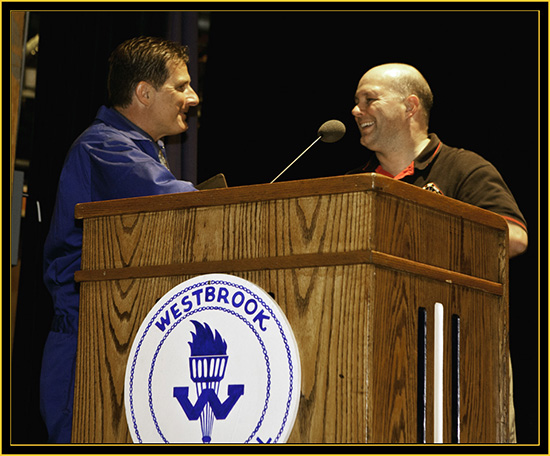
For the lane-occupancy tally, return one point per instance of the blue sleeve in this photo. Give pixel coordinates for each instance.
(120, 169)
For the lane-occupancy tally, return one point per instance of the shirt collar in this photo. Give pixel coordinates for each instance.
(429, 153)
(421, 162)
(114, 118)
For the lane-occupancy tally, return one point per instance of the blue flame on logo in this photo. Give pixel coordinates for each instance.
(205, 343)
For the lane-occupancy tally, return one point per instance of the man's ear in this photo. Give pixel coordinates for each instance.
(412, 104)
(144, 93)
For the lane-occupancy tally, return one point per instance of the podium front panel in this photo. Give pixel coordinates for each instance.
(357, 264)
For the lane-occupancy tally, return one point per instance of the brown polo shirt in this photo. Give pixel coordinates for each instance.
(458, 174)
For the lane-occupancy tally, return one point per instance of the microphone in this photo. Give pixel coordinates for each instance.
(330, 132)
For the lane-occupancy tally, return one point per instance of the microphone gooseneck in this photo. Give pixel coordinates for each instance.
(330, 132)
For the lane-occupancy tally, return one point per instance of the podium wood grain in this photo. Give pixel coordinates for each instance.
(349, 260)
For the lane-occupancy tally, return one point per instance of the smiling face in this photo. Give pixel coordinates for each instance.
(380, 111)
(171, 102)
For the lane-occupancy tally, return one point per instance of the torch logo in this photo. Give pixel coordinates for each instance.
(207, 365)
(214, 361)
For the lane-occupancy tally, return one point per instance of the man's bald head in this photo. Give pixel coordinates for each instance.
(405, 80)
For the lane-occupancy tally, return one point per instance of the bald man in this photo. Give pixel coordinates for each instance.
(392, 111)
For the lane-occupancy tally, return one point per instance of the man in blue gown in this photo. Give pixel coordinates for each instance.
(120, 155)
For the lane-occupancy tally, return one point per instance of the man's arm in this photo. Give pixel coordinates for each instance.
(517, 238)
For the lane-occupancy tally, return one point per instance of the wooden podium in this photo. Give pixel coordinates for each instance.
(357, 263)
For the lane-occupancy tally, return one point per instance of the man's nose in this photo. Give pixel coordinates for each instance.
(191, 97)
(356, 111)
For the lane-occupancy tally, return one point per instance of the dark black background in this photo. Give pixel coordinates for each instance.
(271, 79)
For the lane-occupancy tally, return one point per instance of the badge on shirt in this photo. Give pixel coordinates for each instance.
(431, 187)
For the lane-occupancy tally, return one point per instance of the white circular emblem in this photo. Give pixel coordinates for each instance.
(214, 361)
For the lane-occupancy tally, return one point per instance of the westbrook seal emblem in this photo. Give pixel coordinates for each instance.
(214, 361)
(207, 365)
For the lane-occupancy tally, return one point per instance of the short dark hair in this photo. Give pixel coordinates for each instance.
(141, 59)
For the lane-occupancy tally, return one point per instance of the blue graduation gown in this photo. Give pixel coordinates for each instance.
(112, 159)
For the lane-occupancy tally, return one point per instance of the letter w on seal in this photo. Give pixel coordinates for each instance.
(208, 396)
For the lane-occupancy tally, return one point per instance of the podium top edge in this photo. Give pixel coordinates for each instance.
(289, 189)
